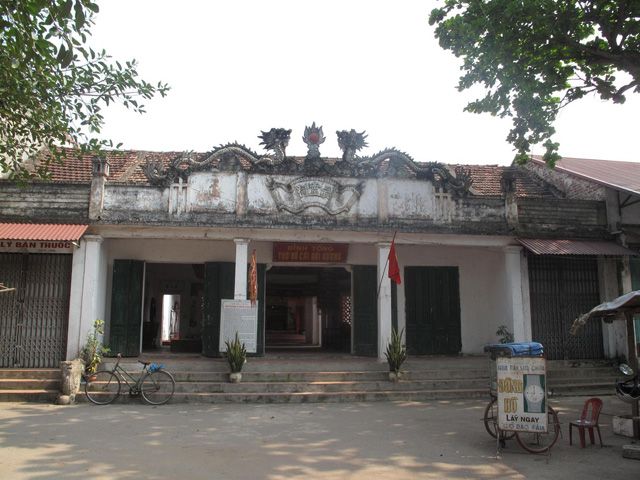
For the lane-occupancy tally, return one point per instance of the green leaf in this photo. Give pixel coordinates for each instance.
(80, 18)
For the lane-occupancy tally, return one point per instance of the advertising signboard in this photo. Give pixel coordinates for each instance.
(522, 394)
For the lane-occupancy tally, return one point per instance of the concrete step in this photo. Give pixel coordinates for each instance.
(313, 397)
(322, 378)
(36, 396)
(332, 387)
(42, 373)
(345, 376)
(29, 384)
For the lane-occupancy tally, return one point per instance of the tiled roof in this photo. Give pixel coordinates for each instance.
(624, 176)
(487, 181)
(74, 169)
(125, 167)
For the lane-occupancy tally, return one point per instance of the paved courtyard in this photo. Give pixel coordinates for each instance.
(429, 440)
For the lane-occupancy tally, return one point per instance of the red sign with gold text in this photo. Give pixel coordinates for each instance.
(310, 252)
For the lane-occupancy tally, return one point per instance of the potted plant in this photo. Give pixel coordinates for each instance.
(396, 355)
(93, 350)
(236, 356)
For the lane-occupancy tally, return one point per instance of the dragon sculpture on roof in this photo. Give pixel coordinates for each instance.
(235, 157)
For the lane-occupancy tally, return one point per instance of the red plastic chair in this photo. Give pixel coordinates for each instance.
(583, 423)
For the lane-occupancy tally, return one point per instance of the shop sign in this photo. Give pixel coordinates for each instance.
(310, 252)
(522, 394)
(239, 316)
(36, 246)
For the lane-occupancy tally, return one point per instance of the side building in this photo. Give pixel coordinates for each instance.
(154, 242)
(617, 184)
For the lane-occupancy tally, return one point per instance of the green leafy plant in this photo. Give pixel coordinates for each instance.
(534, 58)
(93, 350)
(54, 85)
(236, 354)
(505, 335)
(396, 353)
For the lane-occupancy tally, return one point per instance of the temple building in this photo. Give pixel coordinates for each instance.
(161, 245)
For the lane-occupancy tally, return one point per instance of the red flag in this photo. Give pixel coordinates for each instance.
(394, 269)
(253, 281)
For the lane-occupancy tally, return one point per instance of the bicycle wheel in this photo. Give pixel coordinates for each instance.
(491, 421)
(104, 389)
(158, 387)
(541, 442)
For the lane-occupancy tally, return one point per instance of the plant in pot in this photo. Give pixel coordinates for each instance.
(236, 356)
(396, 354)
(93, 350)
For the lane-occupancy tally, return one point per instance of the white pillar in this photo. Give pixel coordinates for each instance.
(384, 300)
(515, 297)
(85, 300)
(242, 257)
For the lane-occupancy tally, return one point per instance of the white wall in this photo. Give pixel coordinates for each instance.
(483, 302)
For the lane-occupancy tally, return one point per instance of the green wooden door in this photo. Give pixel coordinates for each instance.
(433, 310)
(126, 307)
(219, 282)
(365, 310)
(219, 285)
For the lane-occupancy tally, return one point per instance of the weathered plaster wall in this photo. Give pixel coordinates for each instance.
(44, 202)
(135, 199)
(213, 192)
(575, 218)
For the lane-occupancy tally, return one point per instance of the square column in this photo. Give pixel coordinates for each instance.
(87, 298)
(384, 300)
(242, 258)
(517, 297)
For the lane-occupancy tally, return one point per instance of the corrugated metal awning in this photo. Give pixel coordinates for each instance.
(41, 231)
(545, 246)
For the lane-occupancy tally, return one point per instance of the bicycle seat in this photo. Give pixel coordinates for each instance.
(144, 363)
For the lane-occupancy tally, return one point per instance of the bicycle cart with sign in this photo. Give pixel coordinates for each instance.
(518, 404)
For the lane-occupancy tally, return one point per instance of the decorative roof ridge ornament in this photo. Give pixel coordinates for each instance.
(387, 163)
(313, 137)
(350, 142)
(277, 140)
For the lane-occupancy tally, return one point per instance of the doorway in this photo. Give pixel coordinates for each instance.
(172, 314)
(308, 307)
(170, 318)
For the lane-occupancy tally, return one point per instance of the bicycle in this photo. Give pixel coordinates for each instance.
(154, 384)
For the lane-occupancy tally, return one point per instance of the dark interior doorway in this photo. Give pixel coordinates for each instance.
(172, 314)
(308, 307)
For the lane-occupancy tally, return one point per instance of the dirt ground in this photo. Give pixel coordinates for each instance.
(417, 440)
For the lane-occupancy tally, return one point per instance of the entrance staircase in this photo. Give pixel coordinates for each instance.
(320, 377)
(29, 384)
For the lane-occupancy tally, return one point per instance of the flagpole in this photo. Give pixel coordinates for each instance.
(385, 267)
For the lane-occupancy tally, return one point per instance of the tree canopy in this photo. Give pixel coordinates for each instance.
(53, 86)
(536, 56)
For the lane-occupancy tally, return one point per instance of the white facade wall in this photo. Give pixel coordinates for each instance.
(483, 303)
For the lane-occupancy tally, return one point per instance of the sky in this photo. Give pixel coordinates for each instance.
(239, 67)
